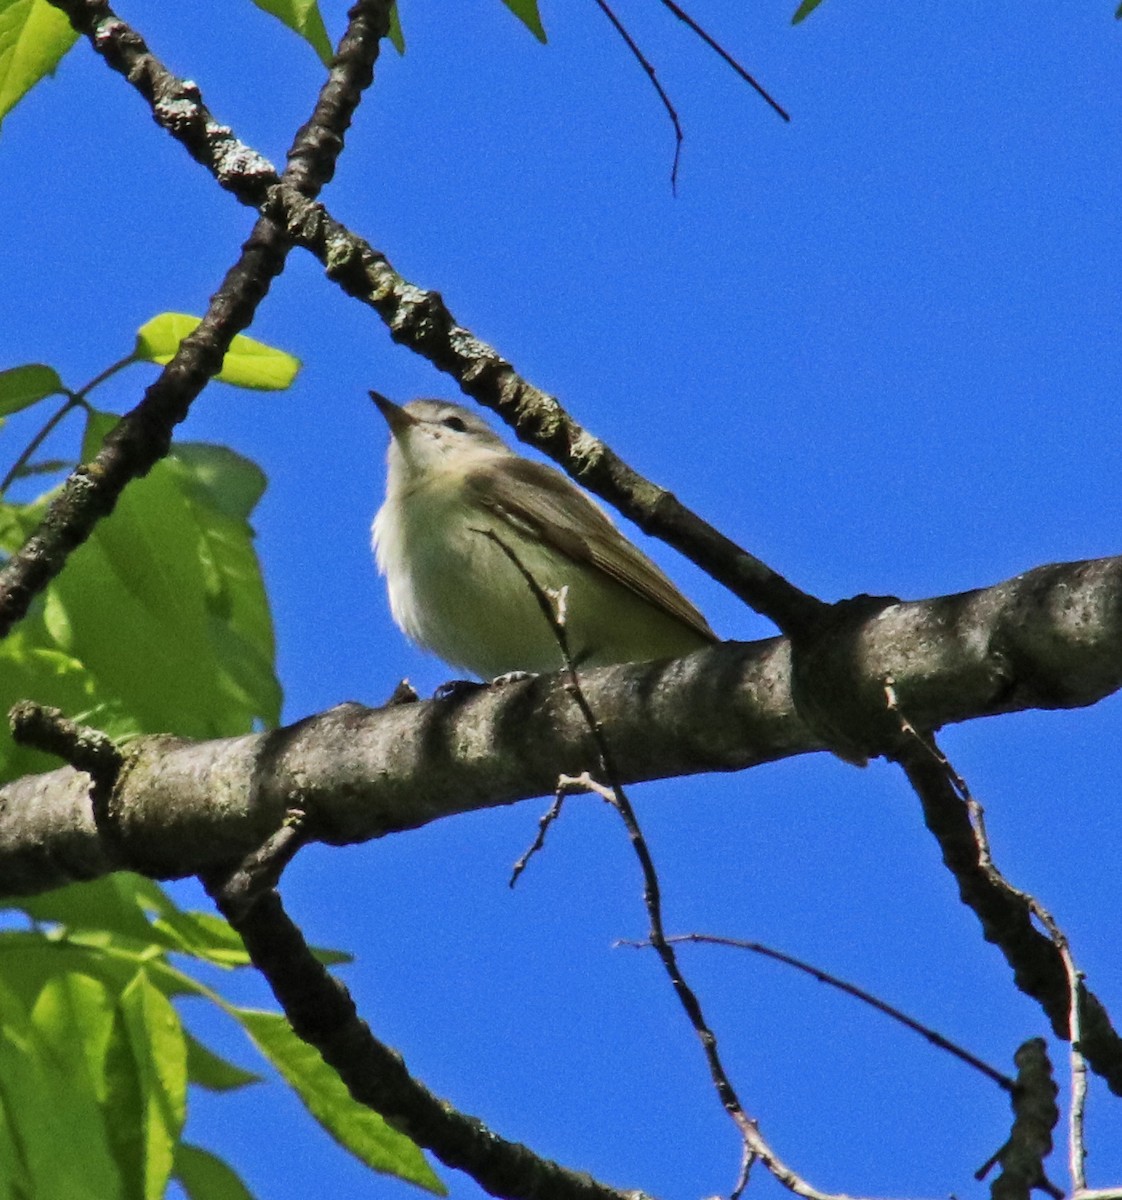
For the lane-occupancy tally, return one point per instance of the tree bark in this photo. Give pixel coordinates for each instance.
(1051, 638)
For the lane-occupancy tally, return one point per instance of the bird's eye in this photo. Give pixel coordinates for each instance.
(456, 423)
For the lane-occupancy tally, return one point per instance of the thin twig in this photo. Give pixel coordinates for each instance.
(851, 989)
(259, 873)
(86, 749)
(553, 812)
(713, 44)
(1078, 1065)
(747, 1158)
(1077, 1151)
(753, 1144)
(645, 63)
(72, 402)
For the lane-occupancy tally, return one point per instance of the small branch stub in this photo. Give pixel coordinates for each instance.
(85, 749)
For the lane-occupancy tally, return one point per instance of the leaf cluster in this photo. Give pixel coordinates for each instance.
(161, 624)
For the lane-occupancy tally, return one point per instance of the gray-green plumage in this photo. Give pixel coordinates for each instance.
(451, 481)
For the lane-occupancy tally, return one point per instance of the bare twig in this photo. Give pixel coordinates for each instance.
(645, 63)
(238, 890)
(85, 749)
(925, 1031)
(1078, 1064)
(752, 1141)
(713, 44)
(49, 426)
(551, 815)
(747, 1158)
(73, 400)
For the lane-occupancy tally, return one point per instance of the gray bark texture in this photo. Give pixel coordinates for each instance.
(1051, 638)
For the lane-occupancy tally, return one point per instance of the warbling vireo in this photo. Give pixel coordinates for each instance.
(451, 481)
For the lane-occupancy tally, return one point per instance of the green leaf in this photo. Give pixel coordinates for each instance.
(204, 1176)
(120, 904)
(110, 904)
(359, 1129)
(74, 1014)
(209, 1070)
(21, 387)
(527, 12)
(17, 521)
(221, 477)
(203, 936)
(154, 1038)
(173, 576)
(46, 1108)
(109, 1060)
(303, 17)
(804, 10)
(14, 1180)
(34, 36)
(396, 33)
(30, 958)
(248, 363)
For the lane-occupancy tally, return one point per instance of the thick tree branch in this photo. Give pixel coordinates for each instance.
(1051, 638)
(420, 320)
(143, 436)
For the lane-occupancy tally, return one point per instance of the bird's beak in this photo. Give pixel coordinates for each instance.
(396, 417)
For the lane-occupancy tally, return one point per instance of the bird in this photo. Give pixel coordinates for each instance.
(460, 504)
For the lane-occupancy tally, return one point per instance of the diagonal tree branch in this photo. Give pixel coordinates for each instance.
(1005, 912)
(143, 436)
(419, 319)
(321, 1011)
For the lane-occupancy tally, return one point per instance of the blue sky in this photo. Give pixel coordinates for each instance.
(879, 347)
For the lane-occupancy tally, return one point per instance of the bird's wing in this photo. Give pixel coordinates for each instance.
(540, 502)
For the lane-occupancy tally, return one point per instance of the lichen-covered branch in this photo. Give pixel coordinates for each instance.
(143, 436)
(1051, 638)
(419, 319)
